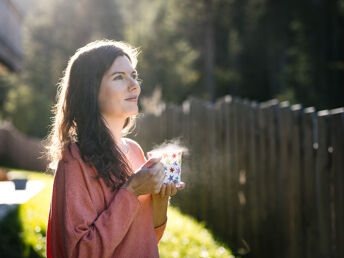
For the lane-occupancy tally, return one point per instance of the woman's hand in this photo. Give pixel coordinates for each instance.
(160, 202)
(170, 189)
(148, 179)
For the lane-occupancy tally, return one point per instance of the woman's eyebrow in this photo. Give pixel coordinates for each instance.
(134, 71)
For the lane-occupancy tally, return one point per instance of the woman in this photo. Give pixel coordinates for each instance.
(107, 200)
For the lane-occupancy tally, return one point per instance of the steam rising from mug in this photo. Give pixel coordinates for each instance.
(173, 145)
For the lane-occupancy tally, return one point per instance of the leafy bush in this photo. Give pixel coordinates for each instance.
(185, 237)
(22, 231)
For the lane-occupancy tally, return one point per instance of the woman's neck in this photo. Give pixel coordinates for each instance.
(115, 126)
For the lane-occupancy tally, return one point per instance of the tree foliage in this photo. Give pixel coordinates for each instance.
(260, 49)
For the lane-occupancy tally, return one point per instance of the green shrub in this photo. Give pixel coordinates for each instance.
(11, 232)
(185, 237)
(22, 231)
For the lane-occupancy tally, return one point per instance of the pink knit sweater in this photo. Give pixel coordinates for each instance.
(87, 219)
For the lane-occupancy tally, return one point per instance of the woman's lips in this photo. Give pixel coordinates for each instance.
(132, 100)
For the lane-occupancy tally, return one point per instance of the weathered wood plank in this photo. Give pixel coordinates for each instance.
(200, 167)
(284, 121)
(220, 172)
(296, 184)
(233, 199)
(323, 167)
(337, 174)
(272, 151)
(252, 180)
(211, 166)
(241, 141)
(308, 166)
(262, 177)
(227, 168)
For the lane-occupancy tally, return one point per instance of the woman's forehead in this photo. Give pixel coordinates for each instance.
(121, 64)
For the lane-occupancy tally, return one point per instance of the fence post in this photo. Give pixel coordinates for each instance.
(252, 179)
(337, 173)
(323, 185)
(232, 195)
(241, 168)
(262, 177)
(295, 200)
(284, 119)
(271, 180)
(211, 165)
(220, 174)
(199, 166)
(227, 111)
(309, 130)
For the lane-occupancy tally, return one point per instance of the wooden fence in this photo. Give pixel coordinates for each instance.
(268, 178)
(20, 151)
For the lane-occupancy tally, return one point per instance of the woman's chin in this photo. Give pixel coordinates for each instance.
(133, 112)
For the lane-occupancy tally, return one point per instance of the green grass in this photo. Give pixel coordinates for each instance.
(25, 230)
(34, 215)
(185, 237)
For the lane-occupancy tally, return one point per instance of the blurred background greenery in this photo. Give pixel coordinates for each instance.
(256, 49)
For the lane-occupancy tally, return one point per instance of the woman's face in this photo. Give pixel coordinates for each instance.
(119, 90)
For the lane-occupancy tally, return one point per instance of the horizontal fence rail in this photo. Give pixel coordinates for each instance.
(268, 178)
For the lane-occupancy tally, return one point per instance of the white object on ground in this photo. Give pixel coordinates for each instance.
(11, 198)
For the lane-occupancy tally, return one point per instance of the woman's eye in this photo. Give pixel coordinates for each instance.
(119, 77)
(134, 76)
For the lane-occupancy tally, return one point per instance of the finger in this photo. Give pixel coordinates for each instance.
(151, 162)
(162, 191)
(168, 189)
(173, 189)
(181, 186)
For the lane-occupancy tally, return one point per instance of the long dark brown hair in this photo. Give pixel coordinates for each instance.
(77, 117)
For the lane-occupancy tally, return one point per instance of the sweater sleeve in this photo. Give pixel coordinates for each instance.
(78, 229)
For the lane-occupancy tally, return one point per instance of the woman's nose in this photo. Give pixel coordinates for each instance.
(133, 84)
